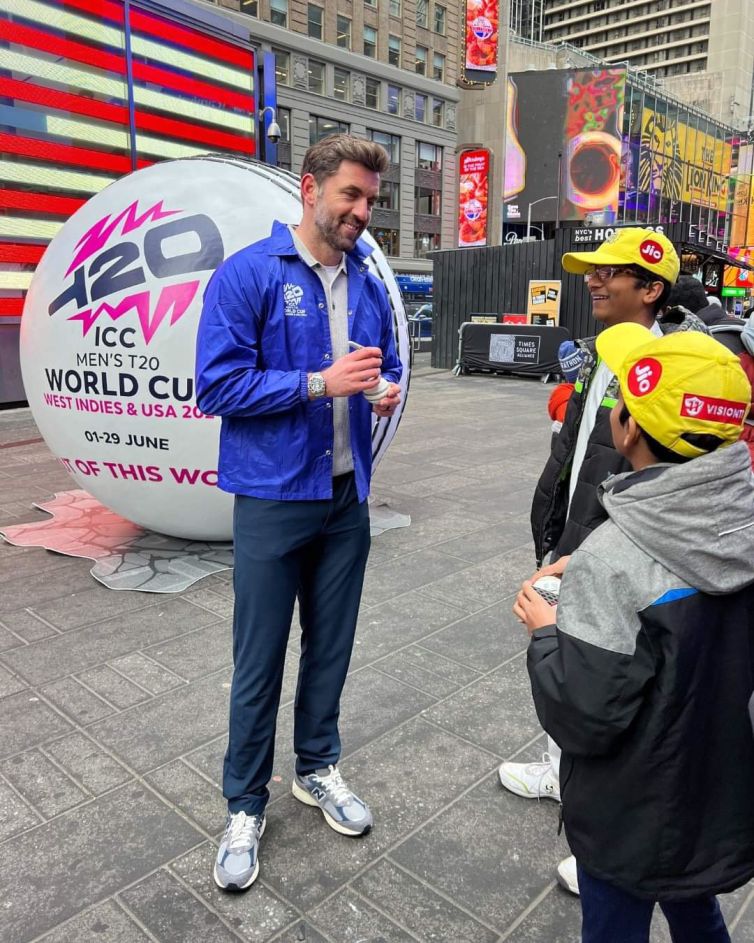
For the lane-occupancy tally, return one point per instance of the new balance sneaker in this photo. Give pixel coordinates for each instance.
(531, 780)
(343, 811)
(237, 863)
(567, 875)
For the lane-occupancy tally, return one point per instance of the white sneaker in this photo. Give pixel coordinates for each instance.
(531, 780)
(567, 875)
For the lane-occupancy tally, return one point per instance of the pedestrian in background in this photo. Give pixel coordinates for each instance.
(273, 361)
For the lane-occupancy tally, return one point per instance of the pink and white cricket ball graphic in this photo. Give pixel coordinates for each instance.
(109, 332)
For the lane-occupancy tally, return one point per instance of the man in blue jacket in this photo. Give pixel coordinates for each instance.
(274, 360)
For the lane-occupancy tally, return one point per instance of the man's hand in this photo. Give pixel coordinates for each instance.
(532, 610)
(354, 372)
(552, 569)
(389, 403)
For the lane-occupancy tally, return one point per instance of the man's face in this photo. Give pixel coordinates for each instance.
(621, 298)
(343, 205)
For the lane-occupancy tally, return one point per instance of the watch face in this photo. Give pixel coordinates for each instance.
(316, 385)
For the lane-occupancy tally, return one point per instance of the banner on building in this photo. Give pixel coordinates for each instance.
(543, 302)
(482, 21)
(473, 191)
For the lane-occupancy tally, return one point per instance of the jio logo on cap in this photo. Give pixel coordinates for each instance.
(651, 251)
(644, 376)
(481, 27)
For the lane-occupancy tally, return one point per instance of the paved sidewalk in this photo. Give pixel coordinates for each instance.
(113, 711)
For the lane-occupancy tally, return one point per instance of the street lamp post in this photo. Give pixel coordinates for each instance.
(528, 212)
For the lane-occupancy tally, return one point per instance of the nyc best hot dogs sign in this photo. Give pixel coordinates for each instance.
(109, 332)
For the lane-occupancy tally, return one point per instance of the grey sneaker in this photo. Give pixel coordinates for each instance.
(237, 863)
(343, 811)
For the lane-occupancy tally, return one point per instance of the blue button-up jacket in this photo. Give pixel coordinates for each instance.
(264, 326)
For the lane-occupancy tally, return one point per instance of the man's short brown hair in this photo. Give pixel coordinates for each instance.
(324, 158)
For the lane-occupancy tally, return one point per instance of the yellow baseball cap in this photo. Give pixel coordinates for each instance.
(683, 383)
(651, 250)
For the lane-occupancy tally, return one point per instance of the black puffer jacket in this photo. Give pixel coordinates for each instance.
(553, 528)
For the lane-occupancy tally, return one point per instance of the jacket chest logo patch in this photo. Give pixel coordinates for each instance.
(292, 295)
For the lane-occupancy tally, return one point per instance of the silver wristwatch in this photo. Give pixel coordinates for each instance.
(315, 386)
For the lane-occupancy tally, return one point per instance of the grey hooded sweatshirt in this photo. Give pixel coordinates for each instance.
(645, 681)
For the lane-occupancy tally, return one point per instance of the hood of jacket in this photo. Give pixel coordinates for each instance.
(696, 519)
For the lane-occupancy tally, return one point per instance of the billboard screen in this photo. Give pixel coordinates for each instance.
(473, 187)
(482, 21)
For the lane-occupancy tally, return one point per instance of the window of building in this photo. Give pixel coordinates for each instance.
(372, 94)
(438, 112)
(314, 20)
(394, 50)
(391, 143)
(343, 32)
(282, 67)
(427, 202)
(370, 42)
(387, 239)
(316, 77)
(250, 6)
(438, 67)
(320, 127)
(421, 13)
(342, 85)
(428, 156)
(390, 196)
(439, 19)
(395, 7)
(279, 12)
(421, 60)
(420, 107)
(425, 242)
(393, 100)
(370, 3)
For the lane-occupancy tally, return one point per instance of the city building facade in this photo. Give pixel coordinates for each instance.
(385, 70)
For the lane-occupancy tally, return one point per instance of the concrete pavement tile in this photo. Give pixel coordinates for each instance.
(408, 572)
(87, 605)
(416, 907)
(556, 919)
(76, 701)
(146, 673)
(427, 533)
(482, 640)
(302, 932)
(191, 793)
(508, 847)
(477, 587)
(427, 671)
(401, 473)
(405, 777)
(198, 653)
(208, 759)
(15, 815)
(489, 541)
(150, 734)
(348, 918)
(25, 721)
(24, 562)
(10, 683)
(736, 904)
(113, 687)
(171, 913)
(7, 639)
(104, 923)
(219, 603)
(83, 648)
(256, 915)
(31, 629)
(496, 712)
(743, 932)
(44, 582)
(39, 781)
(87, 854)
(87, 763)
(394, 623)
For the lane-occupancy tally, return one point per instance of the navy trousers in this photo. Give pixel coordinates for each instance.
(612, 915)
(316, 550)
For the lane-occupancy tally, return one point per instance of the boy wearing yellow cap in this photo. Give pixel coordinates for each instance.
(645, 679)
